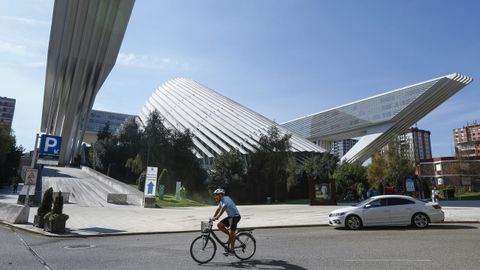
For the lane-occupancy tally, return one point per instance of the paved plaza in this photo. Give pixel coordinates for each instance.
(114, 219)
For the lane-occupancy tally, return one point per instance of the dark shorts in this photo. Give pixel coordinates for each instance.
(231, 222)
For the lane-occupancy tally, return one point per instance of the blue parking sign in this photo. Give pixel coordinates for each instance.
(50, 145)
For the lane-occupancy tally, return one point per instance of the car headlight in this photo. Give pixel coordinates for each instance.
(337, 214)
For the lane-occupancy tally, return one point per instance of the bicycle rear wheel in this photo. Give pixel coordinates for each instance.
(203, 249)
(245, 246)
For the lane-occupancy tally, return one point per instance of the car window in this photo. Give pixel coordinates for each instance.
(399, 201)
(378, 203)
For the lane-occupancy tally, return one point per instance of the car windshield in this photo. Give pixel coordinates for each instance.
(362, 203)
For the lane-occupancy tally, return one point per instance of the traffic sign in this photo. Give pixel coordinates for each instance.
(50, 145)
(31, 177)
(151, 181)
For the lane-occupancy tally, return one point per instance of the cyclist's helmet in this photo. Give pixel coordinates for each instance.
(219, 191)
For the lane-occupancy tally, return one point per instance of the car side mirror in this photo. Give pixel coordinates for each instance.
(368, 206)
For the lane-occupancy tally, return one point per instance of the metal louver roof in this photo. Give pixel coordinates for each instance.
(218, 123)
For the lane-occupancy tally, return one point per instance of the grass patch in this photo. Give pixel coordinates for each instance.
(135, 186)
(468, 196)
(170, 201)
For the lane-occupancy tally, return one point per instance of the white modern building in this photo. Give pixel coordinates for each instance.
(378, 119)
(218, 123)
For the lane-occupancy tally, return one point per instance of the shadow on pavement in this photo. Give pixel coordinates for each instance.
(260, 264)
(50, 172)
(100, 230)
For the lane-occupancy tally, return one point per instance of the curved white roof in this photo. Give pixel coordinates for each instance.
(218, 123)
(378, 118)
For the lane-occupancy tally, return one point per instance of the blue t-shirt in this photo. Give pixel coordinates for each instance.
(232, 210)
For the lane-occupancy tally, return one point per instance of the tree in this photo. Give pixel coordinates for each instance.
(377, 170)
(155, 140)
(228, 172)
(320, 165)
(268, 166)
(348, 176)
(104, 150)
(399, 168)
(392, 167)
(10, 155)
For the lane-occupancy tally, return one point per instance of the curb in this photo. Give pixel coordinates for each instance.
(147, 233)
(69, 236)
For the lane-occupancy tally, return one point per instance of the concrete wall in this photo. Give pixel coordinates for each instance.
(14, 213)
(133, 196)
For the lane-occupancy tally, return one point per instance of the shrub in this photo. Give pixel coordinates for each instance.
(46, 204)
(57, 212)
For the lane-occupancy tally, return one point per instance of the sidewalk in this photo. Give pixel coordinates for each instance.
(118, 220)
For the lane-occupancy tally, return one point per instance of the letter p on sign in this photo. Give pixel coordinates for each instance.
(50, 145)
(50, 142)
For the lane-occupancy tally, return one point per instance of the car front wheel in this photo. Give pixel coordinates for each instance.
(420, 220)
(353, 222)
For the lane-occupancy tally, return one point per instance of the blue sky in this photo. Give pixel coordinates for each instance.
(283, 59)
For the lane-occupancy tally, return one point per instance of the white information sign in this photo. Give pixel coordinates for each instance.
(440, 181)
(177, 190)
(151, 181)
(31, 177)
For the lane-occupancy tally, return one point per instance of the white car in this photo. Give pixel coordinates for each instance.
(384, 210)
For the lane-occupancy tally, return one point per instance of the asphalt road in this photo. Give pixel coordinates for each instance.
(445, 246)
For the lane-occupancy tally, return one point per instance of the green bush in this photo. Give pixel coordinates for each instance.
(46, 204)
(57, 212)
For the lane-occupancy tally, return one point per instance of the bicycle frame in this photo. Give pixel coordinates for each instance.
(212, 232)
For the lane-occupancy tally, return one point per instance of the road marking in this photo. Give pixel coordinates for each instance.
(385, 260)
(35, 254)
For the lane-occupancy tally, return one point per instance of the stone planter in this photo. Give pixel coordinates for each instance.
(55, 226)
(38, 221)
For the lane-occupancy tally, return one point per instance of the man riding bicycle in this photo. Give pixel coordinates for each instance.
(227, 225)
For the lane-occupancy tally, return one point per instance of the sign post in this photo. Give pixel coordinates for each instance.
(150, 187)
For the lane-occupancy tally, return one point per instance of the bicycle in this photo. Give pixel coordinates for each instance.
(203, 248)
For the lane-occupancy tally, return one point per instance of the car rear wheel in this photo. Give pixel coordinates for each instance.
(420, 220)
(353, 222)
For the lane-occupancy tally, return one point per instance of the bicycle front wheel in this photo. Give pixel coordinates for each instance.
(203, 249)
(245, 246)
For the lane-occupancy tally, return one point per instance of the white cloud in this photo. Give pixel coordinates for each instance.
(20, 55)
(8, 47)
(25, 20)
(149, 61)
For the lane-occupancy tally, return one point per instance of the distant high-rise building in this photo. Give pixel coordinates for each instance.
(467, 140)
(7, 108)
(98, 120)
(341, 147)
(415, 144)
